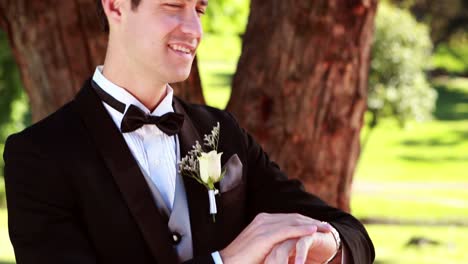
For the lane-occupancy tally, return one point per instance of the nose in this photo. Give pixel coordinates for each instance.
(191, 25)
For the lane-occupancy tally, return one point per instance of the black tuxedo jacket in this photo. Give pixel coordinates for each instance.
(75, 194)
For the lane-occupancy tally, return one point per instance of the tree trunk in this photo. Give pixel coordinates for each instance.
(301, 87)
(57, 45)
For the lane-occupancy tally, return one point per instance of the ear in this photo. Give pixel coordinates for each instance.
(113, 10)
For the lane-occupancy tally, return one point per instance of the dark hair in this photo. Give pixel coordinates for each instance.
(102, 15)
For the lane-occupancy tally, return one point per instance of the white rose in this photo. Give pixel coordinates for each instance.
(210, 166)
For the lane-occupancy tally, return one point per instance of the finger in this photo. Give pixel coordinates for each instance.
(277, 233)
(290, 219)
(281, 224)
(302, 249)
(281, 252)
(324, 227)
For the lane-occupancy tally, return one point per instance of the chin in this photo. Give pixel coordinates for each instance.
(179, 76)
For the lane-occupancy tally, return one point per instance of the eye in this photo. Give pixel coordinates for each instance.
(174, 5)
(201, 11)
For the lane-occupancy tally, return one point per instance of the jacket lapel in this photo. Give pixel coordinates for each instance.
(126, 173)
(203, 228)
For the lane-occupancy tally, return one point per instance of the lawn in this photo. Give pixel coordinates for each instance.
(393, 247)
(217, 61)
(6, 251)
(418, 173)
(424, 152)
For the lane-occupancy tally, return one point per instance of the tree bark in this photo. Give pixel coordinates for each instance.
(301, 88)
(57, 45)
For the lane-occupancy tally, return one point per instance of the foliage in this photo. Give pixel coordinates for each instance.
(400, 53)
(14, 108)
(452, 57)
(446, 19)
(226, 16)
(10, 91)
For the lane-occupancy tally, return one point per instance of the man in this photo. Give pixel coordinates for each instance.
(97, 181)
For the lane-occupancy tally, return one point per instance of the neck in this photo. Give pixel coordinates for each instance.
(147, 90)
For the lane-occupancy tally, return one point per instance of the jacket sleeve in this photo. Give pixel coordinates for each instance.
(42, 224)
(205, 259)
(269, 190)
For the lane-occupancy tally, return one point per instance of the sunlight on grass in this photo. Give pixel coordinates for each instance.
(216, 79)
(409, 207)
(226, 48)
(217, 60)
(432, 151)
(391, 244)
(6, 250)
(453, 58)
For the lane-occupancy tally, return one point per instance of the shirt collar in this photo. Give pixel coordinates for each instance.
(120, 94)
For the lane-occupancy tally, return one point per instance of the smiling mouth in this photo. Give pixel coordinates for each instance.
(181, 49)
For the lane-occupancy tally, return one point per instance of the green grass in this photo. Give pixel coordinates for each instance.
(408, 207)
(391, 244)
(6, 251)
(2, 191)
(216, 78)
(217, 61)
(427, 152)
(225, 48)
(420, 172)
(452, 58)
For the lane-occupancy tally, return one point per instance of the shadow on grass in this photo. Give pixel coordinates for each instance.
(377, 261)
(459, 136)
(452, 105)
(221, 79)
(432, 142)
(7, 262)
(434, 159)
(449, 102)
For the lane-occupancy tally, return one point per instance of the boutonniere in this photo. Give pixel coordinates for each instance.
(205, 167)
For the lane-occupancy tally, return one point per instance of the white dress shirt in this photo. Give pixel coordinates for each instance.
(156, 153)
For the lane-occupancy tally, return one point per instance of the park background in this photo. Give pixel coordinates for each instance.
(410, 185)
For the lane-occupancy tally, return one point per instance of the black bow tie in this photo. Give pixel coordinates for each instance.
(169, 123)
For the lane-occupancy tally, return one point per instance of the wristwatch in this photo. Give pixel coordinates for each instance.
(336, 235)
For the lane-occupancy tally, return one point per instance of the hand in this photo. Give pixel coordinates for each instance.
(312, 249)
(257, 240)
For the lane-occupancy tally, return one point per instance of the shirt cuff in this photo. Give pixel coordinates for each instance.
(216, 257)
(344, 255)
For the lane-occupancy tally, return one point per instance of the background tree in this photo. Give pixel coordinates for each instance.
(445, 18)
(301, 87)
(226, 17)
(401, 51)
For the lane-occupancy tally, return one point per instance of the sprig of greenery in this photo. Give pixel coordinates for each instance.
(189, 165)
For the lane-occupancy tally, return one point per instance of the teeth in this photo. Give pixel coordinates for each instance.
(180, 48)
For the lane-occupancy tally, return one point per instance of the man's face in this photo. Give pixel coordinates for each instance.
(160, 37)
